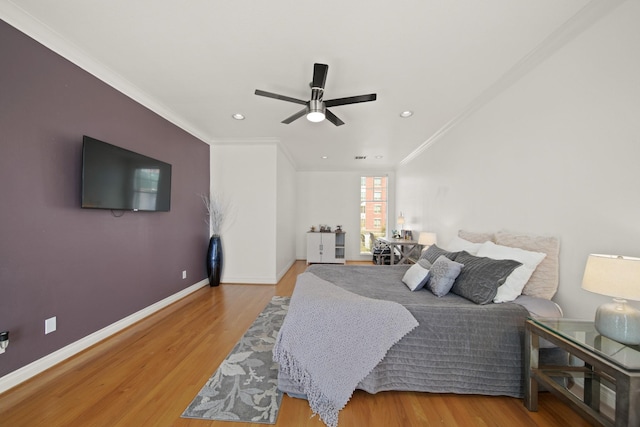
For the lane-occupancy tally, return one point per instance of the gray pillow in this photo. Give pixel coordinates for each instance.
(442, 275)
(424, 263)
(481, 276)
(433, 252)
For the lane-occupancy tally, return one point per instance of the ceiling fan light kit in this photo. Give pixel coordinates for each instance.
(316, 111)
(316, 108)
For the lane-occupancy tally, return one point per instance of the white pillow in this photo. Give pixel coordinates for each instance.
(516, 281)
(459, 244)
(416, 277)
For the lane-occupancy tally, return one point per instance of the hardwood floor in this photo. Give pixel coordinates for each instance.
(148, 374)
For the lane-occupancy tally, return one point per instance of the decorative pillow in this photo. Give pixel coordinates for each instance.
(514, 284)
(480, 277)
(476, 237)
(459, 244)
(544, 280)
(442, 275)
(433, 252)
(539, 307)
(416, 277)
(424, 263)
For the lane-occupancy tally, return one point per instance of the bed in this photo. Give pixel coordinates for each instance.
(464, 343)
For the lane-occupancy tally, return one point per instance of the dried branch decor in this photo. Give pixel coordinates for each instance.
(218, 209)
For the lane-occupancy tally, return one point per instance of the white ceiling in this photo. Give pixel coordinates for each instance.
(198, 62)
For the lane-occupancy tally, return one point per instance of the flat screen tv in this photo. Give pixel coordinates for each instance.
(119, 179)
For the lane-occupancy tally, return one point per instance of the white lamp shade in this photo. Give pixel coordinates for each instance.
(427, 238)
(401, 219)
(613, 275)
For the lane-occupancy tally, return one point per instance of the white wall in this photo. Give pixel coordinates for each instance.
(555, 154)
(246, 174)
(331, 198)
(286, 214)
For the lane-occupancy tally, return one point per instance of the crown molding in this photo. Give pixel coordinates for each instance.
(574, 26)
(245, 141)
(43, 34)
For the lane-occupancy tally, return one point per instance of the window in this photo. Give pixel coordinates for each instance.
(373, 210)
(145, 188)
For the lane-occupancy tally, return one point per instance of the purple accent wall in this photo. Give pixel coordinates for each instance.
(85, 266)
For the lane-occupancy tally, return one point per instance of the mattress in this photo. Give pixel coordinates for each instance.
(459, 347)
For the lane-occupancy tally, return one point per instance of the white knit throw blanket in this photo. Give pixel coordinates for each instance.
(331, 339)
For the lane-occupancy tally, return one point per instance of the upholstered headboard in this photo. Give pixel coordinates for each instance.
(544, 280)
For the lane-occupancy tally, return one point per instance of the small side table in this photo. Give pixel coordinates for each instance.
(606, 362)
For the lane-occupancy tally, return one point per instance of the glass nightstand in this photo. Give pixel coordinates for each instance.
(606, 362)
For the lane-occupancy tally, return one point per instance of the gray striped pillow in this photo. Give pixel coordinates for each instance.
(479, 279)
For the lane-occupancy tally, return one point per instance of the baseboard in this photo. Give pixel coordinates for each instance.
(258, 280)
(607, 397)
(242, 280)
(20, 375)
(284, 270)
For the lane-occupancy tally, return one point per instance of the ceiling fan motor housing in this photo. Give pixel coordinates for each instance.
(316, 110)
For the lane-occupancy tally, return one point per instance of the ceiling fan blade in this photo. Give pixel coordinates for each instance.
(296, 116)
(319, 75)
(280, 97)
(350, 100)
(333, 118)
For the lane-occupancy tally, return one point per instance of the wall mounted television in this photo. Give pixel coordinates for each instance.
(119, 179)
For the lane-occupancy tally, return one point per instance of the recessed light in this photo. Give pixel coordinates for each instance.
(405, 114)
(378, 157)
(324, 157)
(238, 116)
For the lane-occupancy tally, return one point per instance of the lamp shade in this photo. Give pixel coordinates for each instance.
(427, 238)
(613, 275)
(401, 219)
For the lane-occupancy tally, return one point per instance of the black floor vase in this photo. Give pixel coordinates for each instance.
(214, 260)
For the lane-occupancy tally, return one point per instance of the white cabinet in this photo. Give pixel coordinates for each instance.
(326, 248)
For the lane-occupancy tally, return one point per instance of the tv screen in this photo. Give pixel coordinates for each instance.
(119, 179)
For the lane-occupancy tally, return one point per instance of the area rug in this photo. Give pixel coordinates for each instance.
(245, 386)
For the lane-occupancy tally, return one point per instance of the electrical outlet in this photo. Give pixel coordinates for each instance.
(184, 274)
(50, 325)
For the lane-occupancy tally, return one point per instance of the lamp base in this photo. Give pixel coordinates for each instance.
(619, 321)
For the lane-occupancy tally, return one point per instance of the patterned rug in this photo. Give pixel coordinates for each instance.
(245, 386)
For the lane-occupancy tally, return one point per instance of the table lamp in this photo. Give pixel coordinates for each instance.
(427, 239)
(401, 220)
(619, 277)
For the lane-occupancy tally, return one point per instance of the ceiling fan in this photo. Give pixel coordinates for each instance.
(316, 108)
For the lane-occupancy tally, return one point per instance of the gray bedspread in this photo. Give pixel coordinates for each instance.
(459, 347)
